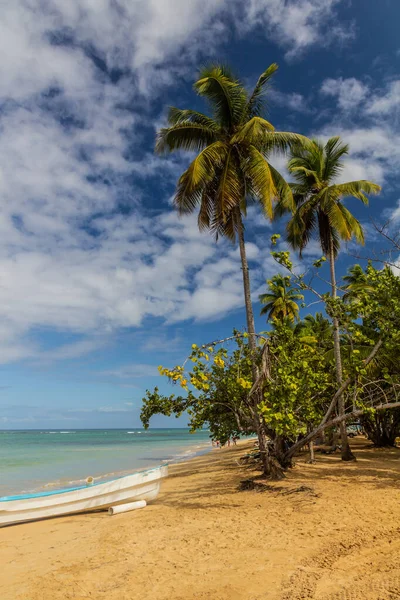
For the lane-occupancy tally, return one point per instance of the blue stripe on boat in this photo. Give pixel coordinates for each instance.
(81, 487)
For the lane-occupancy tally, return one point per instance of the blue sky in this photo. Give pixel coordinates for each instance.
(99, 280)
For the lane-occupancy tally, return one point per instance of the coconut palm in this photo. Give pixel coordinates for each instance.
(320, 211)
(280, 302)
(318, 327)
(356, 282)
(232, 147)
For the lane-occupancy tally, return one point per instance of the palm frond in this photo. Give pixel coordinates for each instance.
(281, 141)
(228, 228)
(198, 175)
(202, 169)
(333, 151)
(356, 281)
(284, 192)
(300, 194)
(338, 220)
(258, 172)
(184, 136)
(356, 189)
(178, 116)
(280, 301)
(255, 104)
(206, 211)
(353, 225)
(300, 229)
(311, 175)
(186, 200)
(224, 92)
(253, 131)
(228, 195)
(327, 234)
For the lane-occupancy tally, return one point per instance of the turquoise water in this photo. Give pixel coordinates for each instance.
(35, 460)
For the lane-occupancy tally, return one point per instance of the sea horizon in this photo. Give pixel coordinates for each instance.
(41, 459)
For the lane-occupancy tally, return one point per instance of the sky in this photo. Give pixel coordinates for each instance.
(100, 280)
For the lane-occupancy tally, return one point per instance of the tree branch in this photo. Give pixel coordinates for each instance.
(325, 423)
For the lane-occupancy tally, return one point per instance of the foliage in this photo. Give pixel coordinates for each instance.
(281, 300)
(317, 327)
(301, 377)
(297, 369)
(217, 399)
(233, 146)
(382, 428)
(319, 201)
(294, 395)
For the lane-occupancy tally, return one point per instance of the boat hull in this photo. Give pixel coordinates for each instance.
(139, 486)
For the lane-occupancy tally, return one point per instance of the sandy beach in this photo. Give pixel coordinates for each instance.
(329, 531)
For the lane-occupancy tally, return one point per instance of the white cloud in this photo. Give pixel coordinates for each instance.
(131, 371)
(373, 152)
(294, 101)
(395, 215)
(296, 24)
(349, 92)
(386, 103)
(69, 260)
(138, 34)
(366, 119)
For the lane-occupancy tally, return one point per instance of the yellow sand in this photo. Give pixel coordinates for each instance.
(205, 540)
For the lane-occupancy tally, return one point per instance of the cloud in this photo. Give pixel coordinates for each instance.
(395, 214)
(371, 130)
(79, 251)
(296, 102)
(386, 103)
(131, 371)
(297, 24)
(72, 350)
(349, 92)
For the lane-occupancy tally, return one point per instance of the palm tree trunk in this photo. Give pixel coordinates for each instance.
(259, 426)
(246, 287)
(346, 452)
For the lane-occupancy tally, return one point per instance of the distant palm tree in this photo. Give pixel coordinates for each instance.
(280, 302)
(356, 282)
(318, 327)
(231, 166)
(320, 211)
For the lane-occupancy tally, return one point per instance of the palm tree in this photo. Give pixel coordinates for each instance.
(231, 166)
(356, 281)
(318, 327)
(280, 302)
(320, 210)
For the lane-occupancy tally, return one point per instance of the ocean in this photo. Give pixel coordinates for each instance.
(32, 461)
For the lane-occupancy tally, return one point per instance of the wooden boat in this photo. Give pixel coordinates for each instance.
(98, 496)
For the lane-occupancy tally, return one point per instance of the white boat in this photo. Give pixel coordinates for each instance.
(98, 496)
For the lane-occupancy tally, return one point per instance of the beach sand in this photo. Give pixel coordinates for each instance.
(329, 531)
